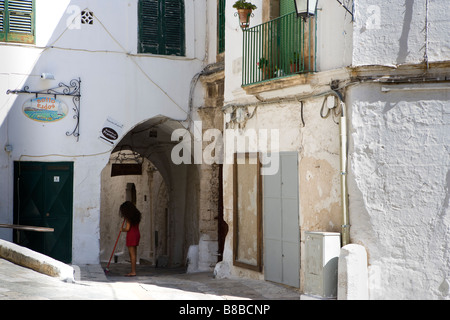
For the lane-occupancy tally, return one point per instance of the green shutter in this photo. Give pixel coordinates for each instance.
(161, 27)
(17, 21)
(148, 26)
(221, 26)
(173, 27)
(2, 20)
(286, 7)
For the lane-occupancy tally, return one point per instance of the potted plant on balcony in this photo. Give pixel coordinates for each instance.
(245, 10)
(268, 70)
(295, 62)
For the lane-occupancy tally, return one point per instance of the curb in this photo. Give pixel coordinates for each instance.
(36, 261)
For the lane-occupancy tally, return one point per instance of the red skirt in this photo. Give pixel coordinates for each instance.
(133, 236)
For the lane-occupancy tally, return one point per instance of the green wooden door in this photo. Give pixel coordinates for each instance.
(289, 27)
(43, 197)
(286, 6)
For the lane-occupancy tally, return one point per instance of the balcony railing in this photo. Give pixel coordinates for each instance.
(281, 47)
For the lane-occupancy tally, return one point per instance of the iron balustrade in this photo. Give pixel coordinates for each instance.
(278, 48)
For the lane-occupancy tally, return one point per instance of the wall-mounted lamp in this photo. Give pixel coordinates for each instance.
(47, 76)
(305, 8)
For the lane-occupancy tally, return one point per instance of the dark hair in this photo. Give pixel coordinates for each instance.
(129, 211)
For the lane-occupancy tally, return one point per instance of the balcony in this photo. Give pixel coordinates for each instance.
(279, 48)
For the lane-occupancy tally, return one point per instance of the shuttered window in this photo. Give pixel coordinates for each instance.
(161, 27)
(17, 21)
(221, 26)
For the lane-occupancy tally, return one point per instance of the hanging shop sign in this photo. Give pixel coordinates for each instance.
(111, 131)
(45, 109)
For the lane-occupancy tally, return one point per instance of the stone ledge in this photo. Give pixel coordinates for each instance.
(36, 261)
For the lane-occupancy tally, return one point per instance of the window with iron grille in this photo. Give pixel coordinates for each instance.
(161, 27)
(17, 21)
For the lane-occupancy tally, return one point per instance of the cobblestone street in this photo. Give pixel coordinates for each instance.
(91, 283)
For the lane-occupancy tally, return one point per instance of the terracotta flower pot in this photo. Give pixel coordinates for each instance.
(295, 68)
(267, 73)
(244, 17)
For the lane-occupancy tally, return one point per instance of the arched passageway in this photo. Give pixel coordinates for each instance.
(176, 213)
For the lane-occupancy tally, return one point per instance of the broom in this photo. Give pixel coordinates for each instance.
(112, 253)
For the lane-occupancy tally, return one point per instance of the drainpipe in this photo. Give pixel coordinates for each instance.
(344, 198)
(343, 156)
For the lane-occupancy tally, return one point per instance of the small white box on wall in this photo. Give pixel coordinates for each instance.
(322, 255)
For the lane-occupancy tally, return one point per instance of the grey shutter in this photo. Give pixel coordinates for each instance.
(281, 223)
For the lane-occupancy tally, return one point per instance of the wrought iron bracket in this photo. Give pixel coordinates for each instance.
(73, 89)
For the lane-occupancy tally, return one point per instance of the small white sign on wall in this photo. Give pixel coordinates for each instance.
(111, 131)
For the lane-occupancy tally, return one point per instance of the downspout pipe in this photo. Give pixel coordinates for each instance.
(343, 133)
(344, 196)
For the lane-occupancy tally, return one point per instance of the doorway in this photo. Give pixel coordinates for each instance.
(43, 196)
(116, 189)
(179, 202)
(281, 223)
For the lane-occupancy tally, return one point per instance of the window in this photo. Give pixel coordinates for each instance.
(161, 27)
(17, 21)
(221, 26)
(131, 193)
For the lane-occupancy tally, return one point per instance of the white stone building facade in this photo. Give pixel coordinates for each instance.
(389, 62)
(383, 179)
(128, 78)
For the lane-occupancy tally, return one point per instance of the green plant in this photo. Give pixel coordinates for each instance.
(268, 69)
(295, 58)
(263, 62)
(242, 4)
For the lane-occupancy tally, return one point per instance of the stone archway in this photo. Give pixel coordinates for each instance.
(175, 200)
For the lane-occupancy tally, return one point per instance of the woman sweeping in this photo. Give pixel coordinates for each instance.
(132, 216)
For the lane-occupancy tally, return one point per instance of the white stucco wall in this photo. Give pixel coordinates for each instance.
(399, 188)
(334, 36)
(115, 82)
(317, 143)
(398, 175)
(399, 32)
(233, 49)
(399, 155)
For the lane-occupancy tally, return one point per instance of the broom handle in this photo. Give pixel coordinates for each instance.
(112, 253)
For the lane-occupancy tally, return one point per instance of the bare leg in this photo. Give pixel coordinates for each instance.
(133, 254)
